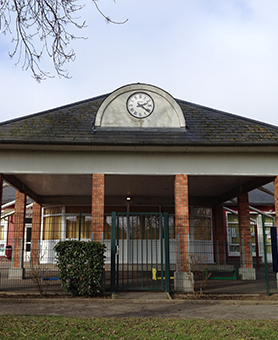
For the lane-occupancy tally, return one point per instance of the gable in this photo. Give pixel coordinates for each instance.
(140, 106)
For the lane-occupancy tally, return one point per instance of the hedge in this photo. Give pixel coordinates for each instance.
(81, 265)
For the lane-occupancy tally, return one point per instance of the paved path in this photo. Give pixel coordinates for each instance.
(134, 307)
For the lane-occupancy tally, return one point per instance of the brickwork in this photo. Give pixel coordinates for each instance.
(219, 235)
(36, 230)
(244, 230)
(182, 216)
(97, 206)
(19, 228)
(275, 184)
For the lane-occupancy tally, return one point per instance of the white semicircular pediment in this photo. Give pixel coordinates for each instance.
(140, 105)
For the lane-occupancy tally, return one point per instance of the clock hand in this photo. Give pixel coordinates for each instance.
(143, 106)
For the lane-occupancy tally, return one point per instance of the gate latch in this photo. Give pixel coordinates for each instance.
(117, 250)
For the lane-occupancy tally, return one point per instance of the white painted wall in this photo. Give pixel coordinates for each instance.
(47, 162)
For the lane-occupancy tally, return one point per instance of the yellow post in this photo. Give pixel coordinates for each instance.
(154, 273)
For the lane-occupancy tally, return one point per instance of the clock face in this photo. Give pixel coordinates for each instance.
(140, 105)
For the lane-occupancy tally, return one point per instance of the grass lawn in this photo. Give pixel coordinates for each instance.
(51, 327)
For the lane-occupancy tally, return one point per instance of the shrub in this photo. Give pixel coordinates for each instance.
(80, 265)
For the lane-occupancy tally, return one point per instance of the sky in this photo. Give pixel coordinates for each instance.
(217, 53)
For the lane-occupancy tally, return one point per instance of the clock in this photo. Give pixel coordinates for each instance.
(140, 105)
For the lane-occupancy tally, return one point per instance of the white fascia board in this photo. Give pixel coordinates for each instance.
(6, 205)
(47, 162)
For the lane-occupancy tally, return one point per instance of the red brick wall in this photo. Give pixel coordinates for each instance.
(97, 206)
(19, 228)
(219, 234)
(244, 229)
(275, 183)
(182, 216)
(36, 230)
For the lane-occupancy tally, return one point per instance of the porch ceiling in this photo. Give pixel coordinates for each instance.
(76, 189)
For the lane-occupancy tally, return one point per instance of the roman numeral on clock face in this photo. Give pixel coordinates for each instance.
(140, 105)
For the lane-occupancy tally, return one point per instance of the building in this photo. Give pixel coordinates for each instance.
(261, 200)
(136, 152)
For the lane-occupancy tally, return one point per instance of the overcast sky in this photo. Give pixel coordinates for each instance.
(217, 53)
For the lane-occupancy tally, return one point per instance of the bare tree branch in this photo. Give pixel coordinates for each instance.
(106, 17)
(43, 27)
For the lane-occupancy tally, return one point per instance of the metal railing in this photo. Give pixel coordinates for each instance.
(227, 265)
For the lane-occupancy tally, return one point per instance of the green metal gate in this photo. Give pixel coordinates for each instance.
(140, 251)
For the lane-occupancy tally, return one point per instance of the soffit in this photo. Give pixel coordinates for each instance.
(66, 186)
(81, 185)
(202, 186)
(57, 185)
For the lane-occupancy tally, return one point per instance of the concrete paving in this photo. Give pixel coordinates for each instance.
(141, 305)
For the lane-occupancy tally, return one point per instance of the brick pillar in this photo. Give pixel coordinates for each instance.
(219, 235)
(36, 230)
(182, 217)
(19, 229)
(1, 191)
(244, 230)
(275, 184)
(97, 206)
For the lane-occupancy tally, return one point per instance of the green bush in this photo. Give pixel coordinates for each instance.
(80, 265)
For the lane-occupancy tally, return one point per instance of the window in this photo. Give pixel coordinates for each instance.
(201, 221)
(1, 232)
(268, 225)
(63, 222)
(28, 238)
(52, 223)
(138, 227)
(234, 236)
(73, 223)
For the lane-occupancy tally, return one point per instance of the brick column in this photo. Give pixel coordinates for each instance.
(182, 216)
(19, 229)
(275, 184)
(36, 230)
(219, 235)
(244, 230)
(97, 206)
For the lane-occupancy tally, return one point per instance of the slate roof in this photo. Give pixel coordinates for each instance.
(8, 194)
(258, 197)
(74, 124)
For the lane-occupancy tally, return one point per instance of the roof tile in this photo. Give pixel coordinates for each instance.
(74, 124)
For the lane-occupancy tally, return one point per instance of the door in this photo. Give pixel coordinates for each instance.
(139, 251)
(28, 242)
